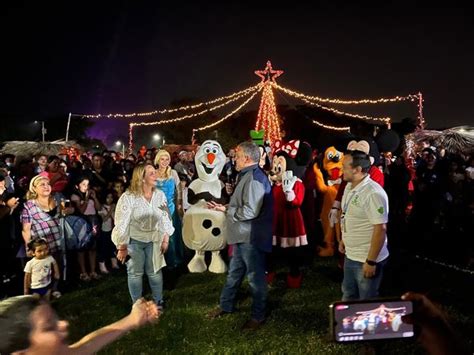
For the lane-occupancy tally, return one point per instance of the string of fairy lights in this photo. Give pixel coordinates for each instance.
(132, 125)
(333, 128)
(267, 117)
(353, 115)
(200, 113)
(229, 114)
(172, 110)
(411, 97)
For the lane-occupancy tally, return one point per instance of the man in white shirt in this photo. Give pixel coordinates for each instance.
(363, 224)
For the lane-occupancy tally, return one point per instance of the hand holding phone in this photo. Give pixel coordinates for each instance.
(371, 320)
(436, 334)
(122, 255)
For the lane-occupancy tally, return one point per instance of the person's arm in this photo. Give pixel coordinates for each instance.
(25, 219)
(97, 204)
(252, 200)
(123, 215)
(177, 184)
(376, 244)
(27, 283)
(103, 213)
(436, 334)
(165, 225)
(56, 273)
(142, 313)
(26, 232)
(79, 204)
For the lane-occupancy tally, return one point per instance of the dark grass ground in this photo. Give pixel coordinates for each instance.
(297, 322)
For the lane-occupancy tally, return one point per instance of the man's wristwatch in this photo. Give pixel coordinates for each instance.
(371, 262)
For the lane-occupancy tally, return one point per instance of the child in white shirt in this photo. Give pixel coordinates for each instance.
(40, 270)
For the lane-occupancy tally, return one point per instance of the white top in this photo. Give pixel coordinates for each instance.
(362, 208)
(144, 221)
(40, 270)
(107, 224)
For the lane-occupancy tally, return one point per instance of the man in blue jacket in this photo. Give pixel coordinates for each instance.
(249, 230)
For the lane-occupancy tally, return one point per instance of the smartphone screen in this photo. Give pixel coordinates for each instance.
(370, 320)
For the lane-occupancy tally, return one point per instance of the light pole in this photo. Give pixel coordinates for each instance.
(43, 130)
(118, 144)
(157, 137)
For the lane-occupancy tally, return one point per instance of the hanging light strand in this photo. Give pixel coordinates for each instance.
(130, 138)
(411, 97)
(421, 120)
(229, 114)
(386, 120)
(333, 128)
(182, 118)
(182, 108)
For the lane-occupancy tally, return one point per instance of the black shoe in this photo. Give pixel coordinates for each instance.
(217, 313)
(252, 324)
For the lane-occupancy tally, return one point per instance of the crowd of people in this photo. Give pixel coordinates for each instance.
(80, 217)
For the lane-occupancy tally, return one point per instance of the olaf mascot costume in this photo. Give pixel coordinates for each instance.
(205, 229)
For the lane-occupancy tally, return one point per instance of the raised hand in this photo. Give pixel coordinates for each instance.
(288, 181)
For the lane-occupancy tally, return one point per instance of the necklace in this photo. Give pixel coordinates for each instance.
(161, 173)
(43, 207)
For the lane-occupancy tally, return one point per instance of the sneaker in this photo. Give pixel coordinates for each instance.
(252, 324)
(84, 277)
(161, 306)
(56, 294)
(103, 269)
(217, 313)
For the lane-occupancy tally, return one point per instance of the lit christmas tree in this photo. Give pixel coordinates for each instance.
(267, 117)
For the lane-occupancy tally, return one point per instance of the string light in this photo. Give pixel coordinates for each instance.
(230, 114)
(411, 97)
(332, 127)
(182, 108)
(130, 138)
(177, 119)
(421, 119)
(386, 120)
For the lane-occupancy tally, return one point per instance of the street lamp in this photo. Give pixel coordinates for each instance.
(157, 137)
(118, 144)
(43, 130)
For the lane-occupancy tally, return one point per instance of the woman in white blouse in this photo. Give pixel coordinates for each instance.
(142, 230)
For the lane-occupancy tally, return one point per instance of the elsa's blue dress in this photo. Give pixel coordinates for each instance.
(175, 254)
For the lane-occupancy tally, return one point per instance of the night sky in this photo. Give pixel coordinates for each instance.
(128, 56)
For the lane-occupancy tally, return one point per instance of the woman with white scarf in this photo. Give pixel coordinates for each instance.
(141, 233)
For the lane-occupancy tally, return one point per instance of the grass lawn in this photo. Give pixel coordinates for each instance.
(297, 323)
